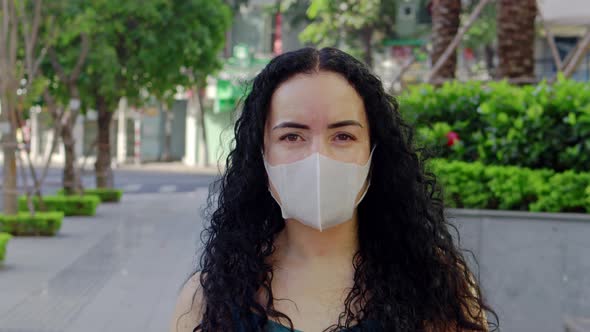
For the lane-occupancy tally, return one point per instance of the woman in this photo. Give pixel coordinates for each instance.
(325, 218)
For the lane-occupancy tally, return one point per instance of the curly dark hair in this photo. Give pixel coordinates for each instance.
(409, 274)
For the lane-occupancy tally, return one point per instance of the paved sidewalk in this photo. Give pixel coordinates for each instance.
(118, 271)
(172, 167)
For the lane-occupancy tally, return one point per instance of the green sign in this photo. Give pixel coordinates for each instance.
(227, 98)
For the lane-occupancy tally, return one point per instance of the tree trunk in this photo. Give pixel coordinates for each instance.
(489, 56)
(446, 17)
(203, 149)
(516, 38)
(10, 203)
(368, 46)
(102, 167)
(71, 178)
(166, 154)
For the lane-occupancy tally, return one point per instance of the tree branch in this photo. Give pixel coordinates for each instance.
(51, 104)
(36, 22)
(84, 49)
(4, 32)
(43, 52)
(13, 36)
(453, 45)
(57, 66)
(37, 63)
(29, 46)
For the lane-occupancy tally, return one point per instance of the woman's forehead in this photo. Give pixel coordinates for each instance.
(318, 97)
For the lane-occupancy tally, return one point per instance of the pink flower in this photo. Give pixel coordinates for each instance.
(452, 138)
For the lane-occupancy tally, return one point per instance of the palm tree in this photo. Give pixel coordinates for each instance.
(516, 38)
(445, 24)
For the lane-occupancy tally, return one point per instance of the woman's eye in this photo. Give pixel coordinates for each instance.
(344, 137)
(290, 137)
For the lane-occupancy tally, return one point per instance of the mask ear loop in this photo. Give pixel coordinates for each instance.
(368, 177)
(266, 164)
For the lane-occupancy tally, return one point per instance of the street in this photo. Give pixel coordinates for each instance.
(133, 181)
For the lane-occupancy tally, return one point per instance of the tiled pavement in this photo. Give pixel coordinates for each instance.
(118, 271)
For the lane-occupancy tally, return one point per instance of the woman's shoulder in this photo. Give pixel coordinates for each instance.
(189, 306)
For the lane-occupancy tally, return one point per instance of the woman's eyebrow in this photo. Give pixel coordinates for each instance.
(344, 124)
(334, 125)
(290, 125)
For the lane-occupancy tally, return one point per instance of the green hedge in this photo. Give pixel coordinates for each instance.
(69, 205)
(42, 223)
(4, 238)
(475, 185)
(106, 195)
(540, 126)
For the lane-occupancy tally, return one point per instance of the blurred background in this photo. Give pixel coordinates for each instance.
(115, 116)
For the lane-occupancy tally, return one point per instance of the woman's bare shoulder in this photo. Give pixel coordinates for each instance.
(189, 306)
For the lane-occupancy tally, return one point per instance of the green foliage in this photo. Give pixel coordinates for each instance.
(564, 192)
(463, 183)
(475, 185)
(4, 238)
(23, 223)
(106, 195)
(483, 30)
(69, 205)
(138, 46)
(71, 20)
(514, 188)
(542, 126)
(349, 22)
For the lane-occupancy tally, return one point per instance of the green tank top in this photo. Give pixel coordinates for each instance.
(272, 326)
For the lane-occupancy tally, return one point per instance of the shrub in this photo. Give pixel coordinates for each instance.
(566, 192)
(69, 205)
(106, 195)
(541, 126)
(475, 185)
(514, 188)
(463, 183)
(4, 238)
(23, 223)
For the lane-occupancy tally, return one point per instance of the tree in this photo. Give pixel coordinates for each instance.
(67, 58)
(147, 47)
(197, 38)
(446, 18)
(21, 52)
(357, 26)
(516, 38)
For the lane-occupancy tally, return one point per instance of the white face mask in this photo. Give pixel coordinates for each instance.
(318, 191)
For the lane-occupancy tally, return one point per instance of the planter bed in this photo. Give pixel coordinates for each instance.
(4, 238)
(25, 224)
(69, 205)
(106, 195)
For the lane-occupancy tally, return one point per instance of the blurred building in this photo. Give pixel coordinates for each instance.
(568, 20)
